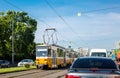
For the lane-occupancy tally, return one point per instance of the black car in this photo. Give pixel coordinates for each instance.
(4, 63)
(93, 67)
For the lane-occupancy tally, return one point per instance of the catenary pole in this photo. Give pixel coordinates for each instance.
(13, 38)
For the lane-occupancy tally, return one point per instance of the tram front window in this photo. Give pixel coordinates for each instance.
(41, 53)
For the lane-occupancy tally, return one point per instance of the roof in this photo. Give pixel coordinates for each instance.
(98, 50)
(91, 57)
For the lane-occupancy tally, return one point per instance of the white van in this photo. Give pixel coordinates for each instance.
(98, 52)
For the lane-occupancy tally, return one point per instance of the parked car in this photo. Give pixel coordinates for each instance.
(93, 67)
(4, 63)
(26, 61)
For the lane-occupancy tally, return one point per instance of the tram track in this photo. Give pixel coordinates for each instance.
(31, 74)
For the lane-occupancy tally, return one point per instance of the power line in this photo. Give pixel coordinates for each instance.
(60, 16)
(62, 20)
(29, 13)
(23, 10)
(115, 7)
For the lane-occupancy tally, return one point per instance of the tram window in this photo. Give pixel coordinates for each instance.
(60, 52)
(49, 52)
(41, 53)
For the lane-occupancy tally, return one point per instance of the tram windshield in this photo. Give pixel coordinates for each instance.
(41, 53)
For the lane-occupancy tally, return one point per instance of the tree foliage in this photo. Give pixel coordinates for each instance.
(24, 34)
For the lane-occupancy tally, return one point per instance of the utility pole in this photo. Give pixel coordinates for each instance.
(13, 39)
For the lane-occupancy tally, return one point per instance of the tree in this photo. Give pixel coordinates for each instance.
(24, 33)
(5, 32)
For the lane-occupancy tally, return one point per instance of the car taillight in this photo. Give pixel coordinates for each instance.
(72, 76)
(117, 77)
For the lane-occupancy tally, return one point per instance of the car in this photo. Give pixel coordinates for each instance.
(93, 67)
(99, 52)
(4, 63)
(26, 61)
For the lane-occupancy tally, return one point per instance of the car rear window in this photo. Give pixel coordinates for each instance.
(94, 63)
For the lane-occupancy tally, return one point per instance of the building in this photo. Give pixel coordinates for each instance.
(118, 45)
(83, 51)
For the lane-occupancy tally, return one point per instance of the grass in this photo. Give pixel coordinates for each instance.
(15, 69)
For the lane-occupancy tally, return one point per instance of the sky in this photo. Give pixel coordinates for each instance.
(97, 27)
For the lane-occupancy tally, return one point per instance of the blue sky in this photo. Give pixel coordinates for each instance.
(93, 29)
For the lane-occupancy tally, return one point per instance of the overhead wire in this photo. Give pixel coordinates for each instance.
(24, 11)
(81, 12)
(42, 21)
(60, 17)
(59, 14)
(27, 12)
(103, 9)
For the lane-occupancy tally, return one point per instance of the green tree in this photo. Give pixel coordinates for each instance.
(24, 34)
(5, 32)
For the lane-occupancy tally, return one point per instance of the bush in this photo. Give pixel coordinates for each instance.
(27, 65)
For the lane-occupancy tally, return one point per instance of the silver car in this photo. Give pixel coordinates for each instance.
(93, 67)
(26, 61)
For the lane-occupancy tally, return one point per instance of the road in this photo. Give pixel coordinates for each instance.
(53, 73)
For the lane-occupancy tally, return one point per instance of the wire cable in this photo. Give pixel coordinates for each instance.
(115, 7)
(60, 17)
(27, 12)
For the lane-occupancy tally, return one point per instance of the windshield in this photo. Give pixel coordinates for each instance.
(98, 54)
(41, 53)
(25, 60)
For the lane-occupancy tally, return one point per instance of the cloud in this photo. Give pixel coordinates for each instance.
(88, 30)
(90, 26)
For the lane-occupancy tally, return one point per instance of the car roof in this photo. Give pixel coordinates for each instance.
(93, 57)
(27, 59)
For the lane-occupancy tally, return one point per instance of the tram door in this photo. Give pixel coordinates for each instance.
(64, 59)
(54, 59)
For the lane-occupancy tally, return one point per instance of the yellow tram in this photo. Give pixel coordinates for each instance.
(52, 56)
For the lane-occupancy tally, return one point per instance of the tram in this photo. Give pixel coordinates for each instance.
(52, 56)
